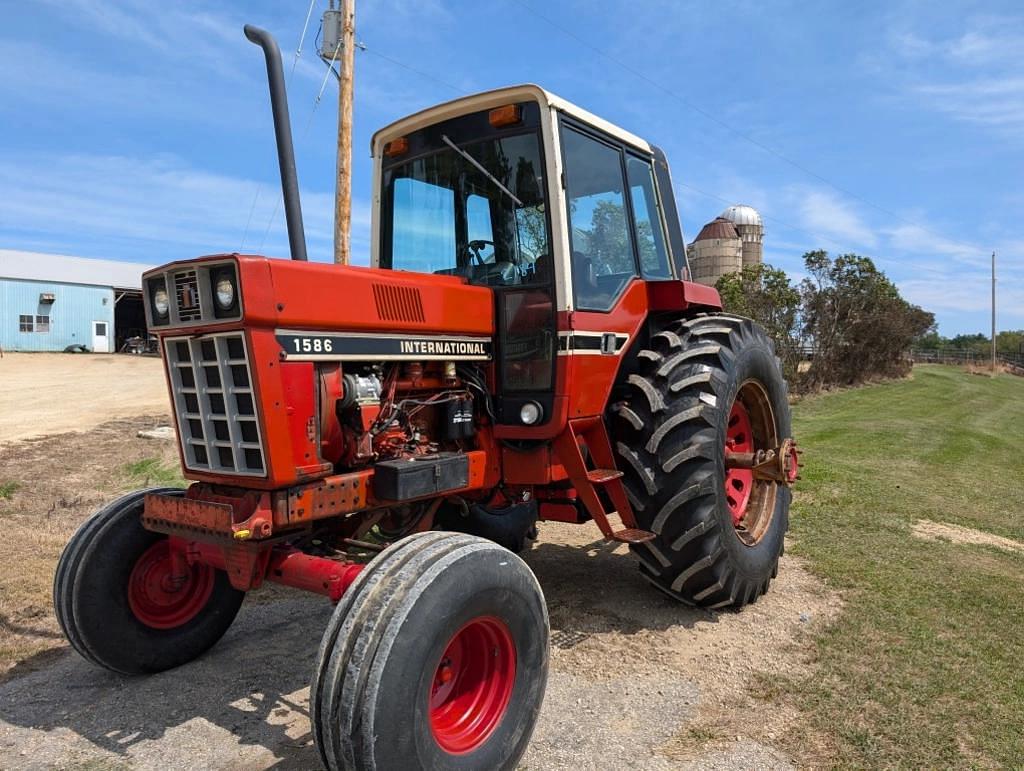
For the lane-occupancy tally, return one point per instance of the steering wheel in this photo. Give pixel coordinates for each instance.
(475, 247)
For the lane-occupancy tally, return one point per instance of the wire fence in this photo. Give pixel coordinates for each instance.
(967, 357)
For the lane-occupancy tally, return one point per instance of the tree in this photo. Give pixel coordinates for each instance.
(856, 321)
(765, 294)
(1010, 343)
(610, 248)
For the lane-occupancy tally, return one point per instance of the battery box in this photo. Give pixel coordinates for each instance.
(420, 475)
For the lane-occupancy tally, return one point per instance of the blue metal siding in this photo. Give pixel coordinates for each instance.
(72, 313)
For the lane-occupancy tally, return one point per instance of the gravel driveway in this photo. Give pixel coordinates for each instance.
(636, 682)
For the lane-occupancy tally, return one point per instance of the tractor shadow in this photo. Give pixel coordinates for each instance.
(596, 587)
(245, 703)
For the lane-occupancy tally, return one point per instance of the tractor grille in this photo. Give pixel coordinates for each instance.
(398, 303)
(215, 404)
(186, 293)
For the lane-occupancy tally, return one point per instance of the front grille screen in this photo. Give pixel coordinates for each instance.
(186, 293)
(215, 404)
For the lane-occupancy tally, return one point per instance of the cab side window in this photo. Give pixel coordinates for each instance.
(603, 260)
(647, 225)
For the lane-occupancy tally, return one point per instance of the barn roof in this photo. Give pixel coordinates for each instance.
(37, 266)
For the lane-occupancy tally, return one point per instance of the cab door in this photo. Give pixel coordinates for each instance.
(617, 244)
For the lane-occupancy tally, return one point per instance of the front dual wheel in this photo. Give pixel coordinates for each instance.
(125, 603)
(435, 658)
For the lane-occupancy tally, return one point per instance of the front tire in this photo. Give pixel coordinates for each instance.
(706, 384)
(120, 603)
(435, 658)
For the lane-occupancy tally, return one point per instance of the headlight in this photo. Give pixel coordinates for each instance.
(225, 292)
(160, 302)
(530, 413)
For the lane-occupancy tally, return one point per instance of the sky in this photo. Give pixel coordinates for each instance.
(141, 131)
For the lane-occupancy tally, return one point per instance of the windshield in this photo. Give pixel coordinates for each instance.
(469, 208)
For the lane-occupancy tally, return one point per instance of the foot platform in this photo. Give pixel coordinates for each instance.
(632, 535)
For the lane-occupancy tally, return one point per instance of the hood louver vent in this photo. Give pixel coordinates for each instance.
(398, 303)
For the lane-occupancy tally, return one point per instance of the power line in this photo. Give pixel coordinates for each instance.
(302, 37)
(421, 73)
(738, 132)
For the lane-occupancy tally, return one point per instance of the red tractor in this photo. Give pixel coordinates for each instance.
(524, 348)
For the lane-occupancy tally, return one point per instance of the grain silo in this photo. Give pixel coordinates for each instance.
(718, 250)
(748, 224)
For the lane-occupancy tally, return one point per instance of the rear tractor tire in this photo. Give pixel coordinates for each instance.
(119, 602)
(706, 386)
(435, 658)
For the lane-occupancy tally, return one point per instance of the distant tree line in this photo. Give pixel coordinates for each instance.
(1009, 343)
(846, 319)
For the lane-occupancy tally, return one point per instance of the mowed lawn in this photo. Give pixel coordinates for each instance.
(925, 665)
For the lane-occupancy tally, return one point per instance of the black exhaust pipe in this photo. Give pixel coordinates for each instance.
(283, 132)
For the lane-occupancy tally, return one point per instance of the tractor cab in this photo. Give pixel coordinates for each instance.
(557, 211)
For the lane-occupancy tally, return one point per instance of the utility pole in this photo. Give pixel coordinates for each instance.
(993, 312)
(339, 45)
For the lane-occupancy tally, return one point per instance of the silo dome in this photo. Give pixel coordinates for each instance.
(741, 214)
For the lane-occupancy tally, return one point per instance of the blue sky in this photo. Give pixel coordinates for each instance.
(141, 131)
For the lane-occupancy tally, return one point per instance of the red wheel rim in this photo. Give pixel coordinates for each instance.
(739, 437)
(164, 591)
(472, 685)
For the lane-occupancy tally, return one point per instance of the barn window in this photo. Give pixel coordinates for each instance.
(24, 323)
(43, 323)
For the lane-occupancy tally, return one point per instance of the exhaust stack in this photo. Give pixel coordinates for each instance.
(283, 133)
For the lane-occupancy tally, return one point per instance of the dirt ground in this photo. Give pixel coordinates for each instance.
(944, 531)
(49, 393)
(636, 680)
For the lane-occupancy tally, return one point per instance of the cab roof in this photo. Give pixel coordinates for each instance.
(489, 99)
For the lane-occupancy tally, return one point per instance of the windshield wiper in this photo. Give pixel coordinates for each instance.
(479, 166)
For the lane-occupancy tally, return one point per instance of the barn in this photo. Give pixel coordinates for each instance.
(49, 302)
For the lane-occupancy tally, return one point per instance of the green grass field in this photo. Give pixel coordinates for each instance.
(925, 665)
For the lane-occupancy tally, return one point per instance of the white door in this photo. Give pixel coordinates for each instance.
(100, 338)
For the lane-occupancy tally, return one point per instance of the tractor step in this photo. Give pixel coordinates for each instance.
(596, 480)
(632, 535)
(602, 476)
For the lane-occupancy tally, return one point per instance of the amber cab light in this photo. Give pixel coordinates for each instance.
(396, 147)
(504, 116)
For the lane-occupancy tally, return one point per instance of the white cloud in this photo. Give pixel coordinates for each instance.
(995, 101)
(974, 77)
(155, 209)
(997, 41)
(964, 296)
(823, 212)
(172, 32)
(918, 239)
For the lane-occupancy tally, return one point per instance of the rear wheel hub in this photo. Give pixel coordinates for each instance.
(751, 434)
(738, 481)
